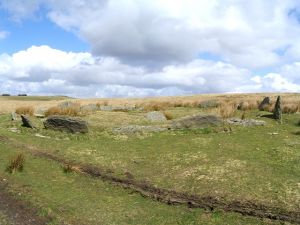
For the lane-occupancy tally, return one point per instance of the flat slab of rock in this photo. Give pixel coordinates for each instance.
(196, 121)
(156, 116)
(26, 122)
(67, 124)
(246, 123)
(133, 129)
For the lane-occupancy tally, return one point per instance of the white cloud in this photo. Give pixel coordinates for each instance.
(43, 70)
(159, 32)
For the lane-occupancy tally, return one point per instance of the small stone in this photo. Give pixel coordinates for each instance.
(26, 122)
(13, 116)
(156, 116)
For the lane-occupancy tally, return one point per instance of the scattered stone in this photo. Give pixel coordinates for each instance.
(246, 122)
(274, 133)
(14, 130)
(73, 125)
(26, 122)
(209, 104)
(13, 116)
(133, 129)
(67, 105)
(40, 116)
(90, 107)
(277, 110)
(156, 116)
(117, 108)
(41, 136)
(264, 104)
(196, 121)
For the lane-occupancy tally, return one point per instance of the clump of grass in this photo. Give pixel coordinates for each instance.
(168, 115)
(156, 106)
(226, 111)
(67, 111)
(16, 163)
(26, 110)
(67, 168)
(243, 117)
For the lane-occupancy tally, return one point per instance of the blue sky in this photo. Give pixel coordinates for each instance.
(121, 48)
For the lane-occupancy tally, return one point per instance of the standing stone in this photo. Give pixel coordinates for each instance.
(26, 122)
(67, 124)
(277, 110)
(265, 102)
(13, 116)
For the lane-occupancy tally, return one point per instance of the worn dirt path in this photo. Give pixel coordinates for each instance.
(18, 212)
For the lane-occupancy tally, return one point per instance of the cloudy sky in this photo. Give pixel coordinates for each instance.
(127, 48)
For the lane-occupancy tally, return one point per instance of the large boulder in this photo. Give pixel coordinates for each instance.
(156, 116)
(264, 104)
(277, 110)
(72, 125)
(26, 122)
(197, 121)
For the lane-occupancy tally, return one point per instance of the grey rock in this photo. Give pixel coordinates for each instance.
(90, 107)
(246, 122)
(67, 104)
(277, 113)
(37, 115)
(196, 121)
(134, 129)
(156, 116)
(265, 102)
(209, 104)
(13, 116)
(116, 108)
(26, 122)
(67, 124)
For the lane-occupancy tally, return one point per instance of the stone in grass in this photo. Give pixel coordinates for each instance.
(197, 121)
(13, 116)
(265, 103)
(67, 124)
(26, 122)
(277, 110)
(156, 116)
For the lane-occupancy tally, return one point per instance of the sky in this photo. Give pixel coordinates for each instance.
(138, 48)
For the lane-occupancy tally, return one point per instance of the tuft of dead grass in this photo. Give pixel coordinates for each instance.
(16, 163)
(226, 111)
(168, 115)
(25, 110)
(67, 111)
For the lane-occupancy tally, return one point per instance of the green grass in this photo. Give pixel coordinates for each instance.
(75, 199)
(260, 164)
(4, 219)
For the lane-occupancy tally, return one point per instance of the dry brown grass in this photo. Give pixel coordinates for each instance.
(68, 111)
(26, 110)
(16, 163)
(168, 115)
(226, 110)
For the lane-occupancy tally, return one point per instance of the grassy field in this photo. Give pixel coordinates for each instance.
(258, 164)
